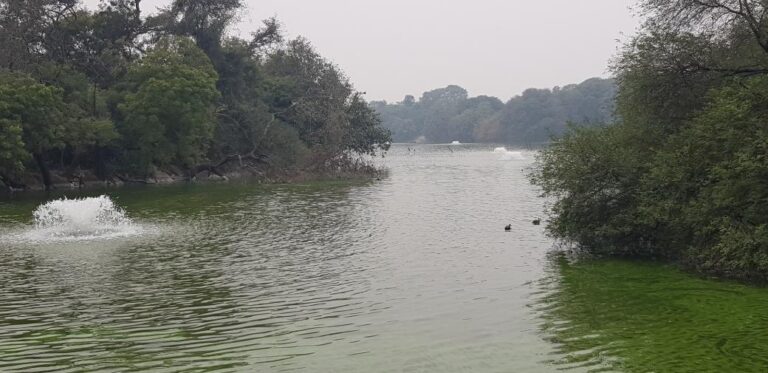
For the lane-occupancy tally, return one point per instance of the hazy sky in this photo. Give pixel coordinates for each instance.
(494, 47)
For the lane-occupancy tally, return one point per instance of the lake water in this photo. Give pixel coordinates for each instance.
(411, 273)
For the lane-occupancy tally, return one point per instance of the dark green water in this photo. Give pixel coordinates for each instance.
(642, 317)
(412, 273)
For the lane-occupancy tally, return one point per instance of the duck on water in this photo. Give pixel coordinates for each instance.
(536, 221)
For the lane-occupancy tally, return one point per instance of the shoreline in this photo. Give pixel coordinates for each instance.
(268, 177)
(749, 278)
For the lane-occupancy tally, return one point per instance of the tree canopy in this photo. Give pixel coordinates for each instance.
(448, 114)
(123, 95)
(681, 174)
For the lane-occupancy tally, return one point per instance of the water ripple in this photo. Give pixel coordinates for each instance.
(410, 273)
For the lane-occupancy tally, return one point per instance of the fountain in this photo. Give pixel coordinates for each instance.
(81, 219)
(507, 155)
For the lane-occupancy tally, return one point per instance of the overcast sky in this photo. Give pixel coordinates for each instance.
(492, 47)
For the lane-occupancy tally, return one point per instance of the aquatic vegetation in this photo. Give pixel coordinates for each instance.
(639, 317)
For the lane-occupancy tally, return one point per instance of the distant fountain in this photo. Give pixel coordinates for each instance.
(81, 219)
(507, 155)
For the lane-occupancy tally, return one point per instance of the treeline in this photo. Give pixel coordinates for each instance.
(112, 93)
(683, 175)
(448, 114)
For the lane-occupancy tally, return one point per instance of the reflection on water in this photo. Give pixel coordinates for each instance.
(412, 273)
(641, 317)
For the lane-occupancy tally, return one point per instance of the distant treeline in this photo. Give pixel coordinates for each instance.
(683, 174)
(448, 114)
(111, 93)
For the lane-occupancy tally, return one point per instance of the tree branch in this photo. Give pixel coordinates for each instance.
(727, 71)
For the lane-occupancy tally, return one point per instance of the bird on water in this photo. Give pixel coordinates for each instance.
(536, 221)
(508, 227)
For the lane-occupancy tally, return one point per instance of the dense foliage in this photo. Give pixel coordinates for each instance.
(115, 94)
(448, 114)
(683, 175)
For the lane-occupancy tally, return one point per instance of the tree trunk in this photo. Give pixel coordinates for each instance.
(214, 168)
(10, 183)
(44, 171)
(93, 102)
(101, 167)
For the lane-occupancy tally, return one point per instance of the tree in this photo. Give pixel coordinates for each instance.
(717, 17)
(681, 174)
(37, 109)
(706, 188)
(448, 114)
(365, 134)
(169, 115)
(311, 95)
(24, 27)
(245, 119)
(204, 20)
(13, 155)
(109, 90)
(593, 177)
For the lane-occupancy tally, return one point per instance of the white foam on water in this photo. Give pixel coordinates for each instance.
(507, 155)
(80, 219)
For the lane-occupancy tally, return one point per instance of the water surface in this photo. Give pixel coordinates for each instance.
(411, 273)
(612, 315)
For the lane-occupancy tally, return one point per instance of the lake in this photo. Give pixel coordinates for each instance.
(410, 273)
